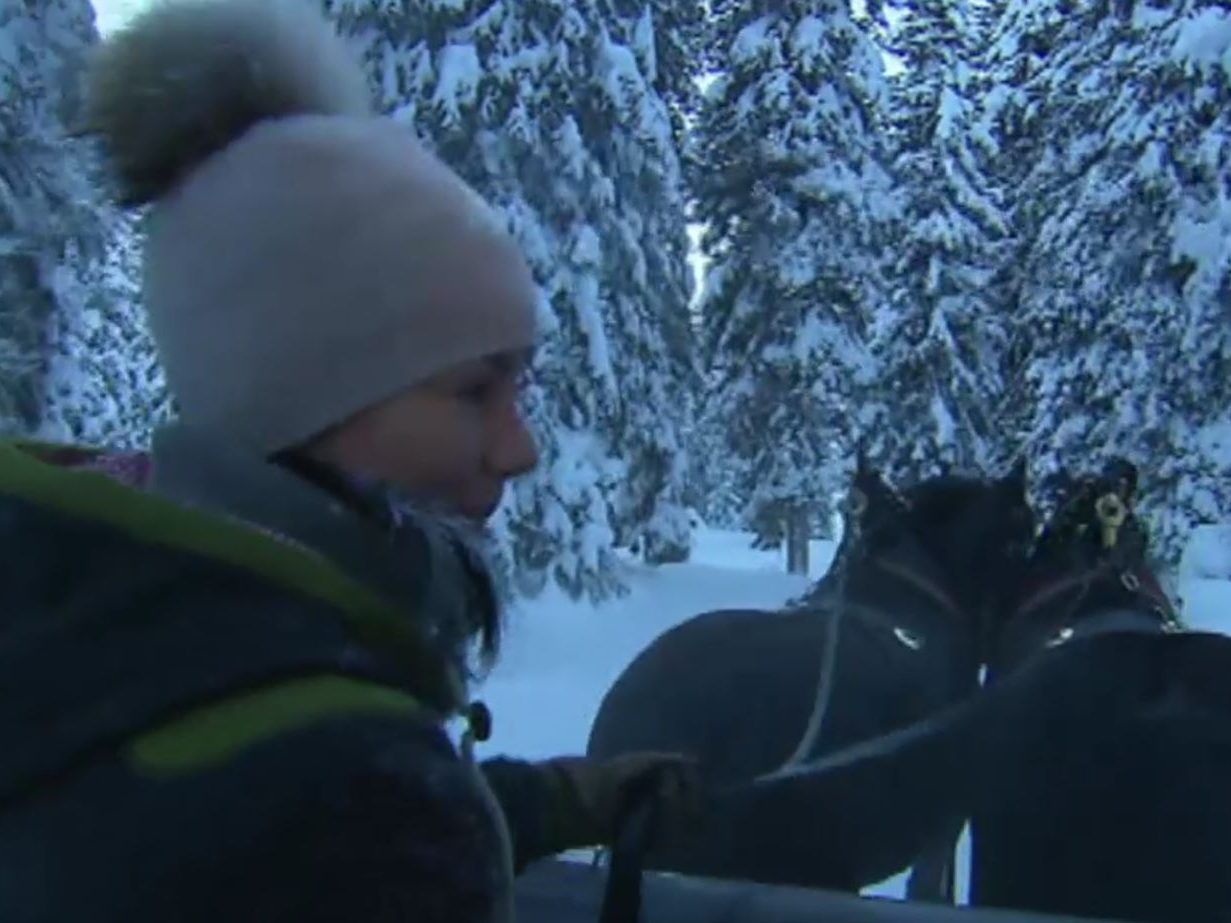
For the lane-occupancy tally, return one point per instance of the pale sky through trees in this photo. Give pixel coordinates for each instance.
(111, 14)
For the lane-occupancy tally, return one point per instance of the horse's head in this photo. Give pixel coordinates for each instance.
(945, 547)
(978, 531)
(1094, 519)
(1088, 570)
(873, 508)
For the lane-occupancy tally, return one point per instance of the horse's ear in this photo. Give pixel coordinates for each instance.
(856, 504)
(869, 489)
(1122, 473)
(1015, 480)
(862, 466)
(865, 479)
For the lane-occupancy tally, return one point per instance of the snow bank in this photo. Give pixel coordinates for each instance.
(1208, 554)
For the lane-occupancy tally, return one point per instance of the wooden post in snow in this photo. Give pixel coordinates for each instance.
(798, 534)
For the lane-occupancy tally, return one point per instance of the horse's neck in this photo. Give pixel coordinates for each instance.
(935, 570)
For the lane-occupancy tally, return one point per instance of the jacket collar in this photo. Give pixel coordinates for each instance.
(419, 563)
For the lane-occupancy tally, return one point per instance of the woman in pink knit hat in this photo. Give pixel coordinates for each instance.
(229, 681)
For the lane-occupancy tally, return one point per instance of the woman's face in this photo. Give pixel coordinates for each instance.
(450, 442)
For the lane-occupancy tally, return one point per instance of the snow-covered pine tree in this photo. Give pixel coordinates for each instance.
(1124, 288)
(105, 385)
(75, 362)
(633, 125)
(568, 117)
(1192, 139)
(1010, 135)
(791, 183)
(940, 341)
(717, 478)
(45, 212)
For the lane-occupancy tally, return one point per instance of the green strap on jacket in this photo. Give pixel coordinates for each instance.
(212, 734)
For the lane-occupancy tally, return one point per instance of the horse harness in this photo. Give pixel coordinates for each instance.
(1140, 585)
(913, 577)
(927, 587)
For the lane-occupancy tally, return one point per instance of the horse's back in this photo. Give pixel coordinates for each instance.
(732, 687)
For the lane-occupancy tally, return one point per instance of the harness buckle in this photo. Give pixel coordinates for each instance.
(908, 638)
(1064, 634)
(1112, 514)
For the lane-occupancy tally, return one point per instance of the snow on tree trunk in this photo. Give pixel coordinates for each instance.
(798, 534)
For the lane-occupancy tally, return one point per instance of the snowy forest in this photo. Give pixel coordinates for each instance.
(957, 233)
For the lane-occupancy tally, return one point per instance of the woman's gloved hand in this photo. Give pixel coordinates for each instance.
(596, 794)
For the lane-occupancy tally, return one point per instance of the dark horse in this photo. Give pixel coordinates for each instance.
(1110, 793)
(894, 632)
(1088, 572)
(1093, 765)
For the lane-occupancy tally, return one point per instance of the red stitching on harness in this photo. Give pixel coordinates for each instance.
(1149, 588)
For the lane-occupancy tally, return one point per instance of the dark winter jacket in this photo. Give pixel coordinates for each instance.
(220, 700)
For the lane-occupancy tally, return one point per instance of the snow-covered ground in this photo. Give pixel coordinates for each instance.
(1205, 579)
(561, 656)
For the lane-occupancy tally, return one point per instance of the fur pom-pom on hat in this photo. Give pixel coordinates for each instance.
(187, 78)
